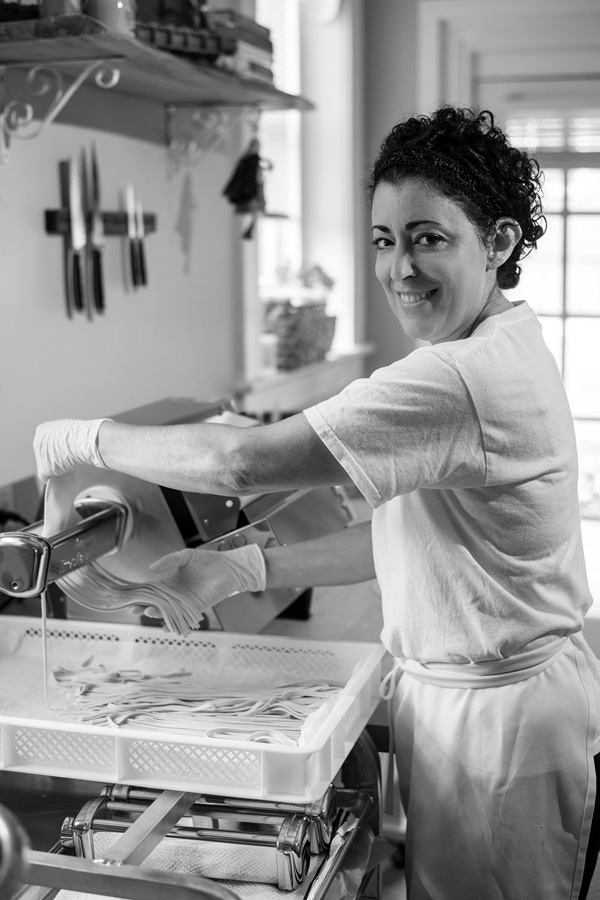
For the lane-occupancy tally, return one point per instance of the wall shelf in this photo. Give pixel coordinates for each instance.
(146, 72)
(52, 58)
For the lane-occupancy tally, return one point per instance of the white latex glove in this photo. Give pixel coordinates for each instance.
(211, 575)
(65, 444)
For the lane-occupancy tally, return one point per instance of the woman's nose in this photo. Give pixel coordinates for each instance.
(403, 265)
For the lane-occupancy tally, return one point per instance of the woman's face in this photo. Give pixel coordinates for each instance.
(430, 261)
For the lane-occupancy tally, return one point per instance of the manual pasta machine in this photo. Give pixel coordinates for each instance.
(222, 838)
(123, 524)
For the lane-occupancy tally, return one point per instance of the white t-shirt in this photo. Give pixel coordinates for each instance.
(466, 451)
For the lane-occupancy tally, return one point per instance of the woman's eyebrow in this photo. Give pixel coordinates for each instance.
(409, 225)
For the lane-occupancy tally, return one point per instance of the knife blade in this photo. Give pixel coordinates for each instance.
(97, 235)
(132, 235)
(141, 233)
(85, 205)
(78, 237)
(64, 170)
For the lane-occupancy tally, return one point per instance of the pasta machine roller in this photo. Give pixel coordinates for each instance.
(265, 845)
(121, 800)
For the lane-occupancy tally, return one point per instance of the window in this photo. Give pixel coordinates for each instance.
(313, 216)
(561, 279)
(279, 233)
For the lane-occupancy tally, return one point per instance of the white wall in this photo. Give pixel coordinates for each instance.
(390, 95)
(178, 337)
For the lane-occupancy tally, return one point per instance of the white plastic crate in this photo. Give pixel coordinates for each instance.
(37, 739)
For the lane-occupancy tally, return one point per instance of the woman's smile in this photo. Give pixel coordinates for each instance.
(411, 298)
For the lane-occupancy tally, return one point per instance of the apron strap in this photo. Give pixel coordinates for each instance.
(387, 691)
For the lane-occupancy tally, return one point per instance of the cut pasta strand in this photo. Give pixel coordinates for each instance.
(95, 588)
(177, 702)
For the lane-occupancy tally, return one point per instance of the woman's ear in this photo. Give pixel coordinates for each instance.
(506, 236)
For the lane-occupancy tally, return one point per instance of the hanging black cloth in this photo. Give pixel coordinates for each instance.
(244, 190)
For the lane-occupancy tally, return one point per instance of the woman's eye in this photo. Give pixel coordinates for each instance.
(429, 240)
(381, 243)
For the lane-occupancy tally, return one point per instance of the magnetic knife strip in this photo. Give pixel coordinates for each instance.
(220, 838)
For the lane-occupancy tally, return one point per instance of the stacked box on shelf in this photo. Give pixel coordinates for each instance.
(180, 13)
(253, 57)
(17, 12)
(249, 61)
(229, 22)
(178, 26)
(183, 41)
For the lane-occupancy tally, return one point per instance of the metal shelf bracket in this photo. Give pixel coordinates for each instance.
(193, 131)
(18, 116)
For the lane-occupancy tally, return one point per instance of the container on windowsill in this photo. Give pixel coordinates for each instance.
(296, 312)
(269, 345)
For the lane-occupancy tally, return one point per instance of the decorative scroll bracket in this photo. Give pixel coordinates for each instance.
(17, 116)
(193, 131)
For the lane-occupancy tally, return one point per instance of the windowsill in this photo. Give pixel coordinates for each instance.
(306, 385)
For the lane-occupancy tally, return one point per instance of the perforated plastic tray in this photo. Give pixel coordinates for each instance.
(36, 739)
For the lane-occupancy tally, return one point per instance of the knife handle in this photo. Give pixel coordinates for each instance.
(97, 280)
(134, 259)
(76, 280)
(142, 263)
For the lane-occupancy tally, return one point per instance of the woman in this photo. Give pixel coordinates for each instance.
(466, 451)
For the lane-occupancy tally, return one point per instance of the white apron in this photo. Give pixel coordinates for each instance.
(498, 785)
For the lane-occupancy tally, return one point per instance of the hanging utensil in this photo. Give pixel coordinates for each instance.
(132, 234)
(85, 205)
(76, 250)
(97, 236)
(140, 234)
(64, 178)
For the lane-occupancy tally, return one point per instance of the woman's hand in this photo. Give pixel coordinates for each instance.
(210, 576)
(65, 444)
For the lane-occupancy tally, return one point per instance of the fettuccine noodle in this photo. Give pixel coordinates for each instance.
(176, 701)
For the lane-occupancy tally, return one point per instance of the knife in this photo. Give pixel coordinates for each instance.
(132, 235)
(97, 236)
(64, 172)
(141, 233)
(85, 205)
(78, 237)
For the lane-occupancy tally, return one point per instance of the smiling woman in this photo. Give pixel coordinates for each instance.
(466, 451)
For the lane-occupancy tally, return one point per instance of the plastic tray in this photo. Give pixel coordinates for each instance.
(33, 738)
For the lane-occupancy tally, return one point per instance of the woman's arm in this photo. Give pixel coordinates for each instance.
(222, 459)
(343, 557)
(209, 576)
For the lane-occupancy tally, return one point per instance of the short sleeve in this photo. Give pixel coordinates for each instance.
(410, 425)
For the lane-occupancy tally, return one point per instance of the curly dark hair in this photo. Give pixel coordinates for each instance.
(492, 178)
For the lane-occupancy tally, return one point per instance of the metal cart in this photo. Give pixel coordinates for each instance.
(33, 874)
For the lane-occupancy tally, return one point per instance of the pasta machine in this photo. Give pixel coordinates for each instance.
(123, 524)
(219, 839)
(127, 867)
